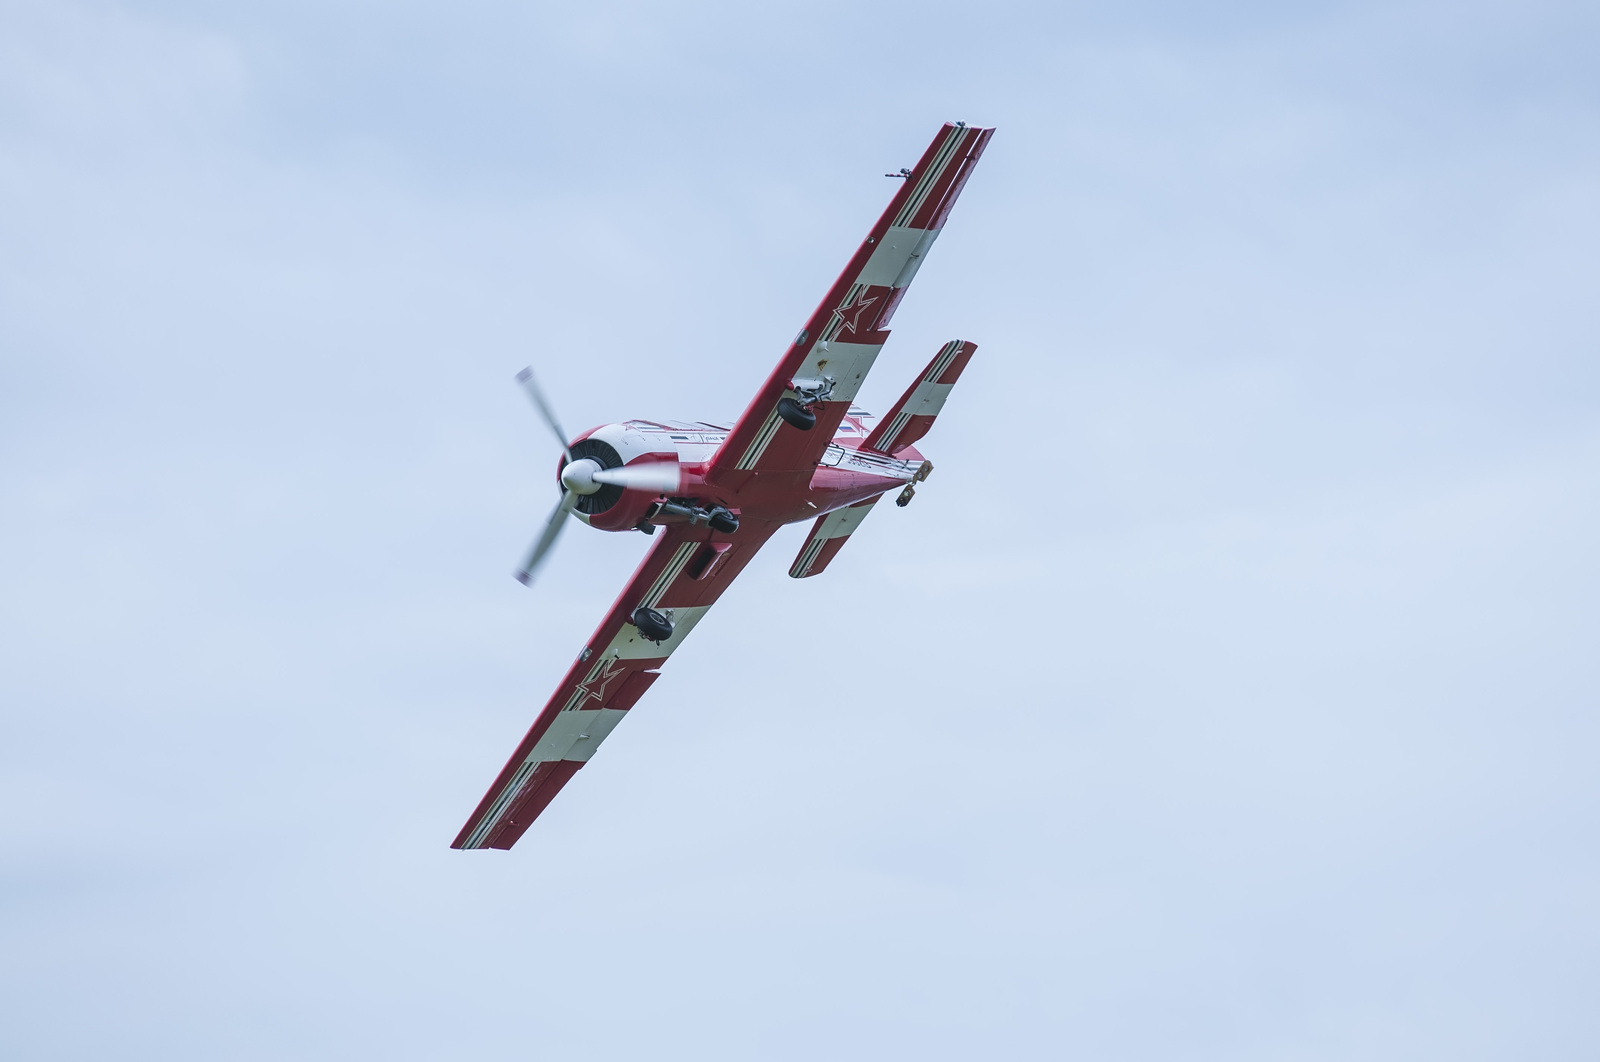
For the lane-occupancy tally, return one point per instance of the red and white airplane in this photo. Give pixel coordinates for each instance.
(801, 451)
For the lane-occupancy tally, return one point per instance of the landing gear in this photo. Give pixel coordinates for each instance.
(796, 415)
(718, 517)
(653, 626)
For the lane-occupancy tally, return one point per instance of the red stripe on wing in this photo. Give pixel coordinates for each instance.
(629, 692)
(947, 189)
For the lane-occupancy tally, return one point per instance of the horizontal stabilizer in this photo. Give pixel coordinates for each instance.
(913, 415)
(828, 536)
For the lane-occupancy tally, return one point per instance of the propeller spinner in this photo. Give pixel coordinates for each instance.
(583, 477)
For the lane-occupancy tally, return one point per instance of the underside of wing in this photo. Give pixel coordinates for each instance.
(684, 573)
(827, 362)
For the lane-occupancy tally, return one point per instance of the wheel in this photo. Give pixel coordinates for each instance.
(652, 625)
(796, 415)
(723, 521)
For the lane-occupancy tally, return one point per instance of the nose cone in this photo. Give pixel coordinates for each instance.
(578, 477)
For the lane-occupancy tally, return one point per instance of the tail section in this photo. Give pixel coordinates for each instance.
(828, 537)
(913, 415)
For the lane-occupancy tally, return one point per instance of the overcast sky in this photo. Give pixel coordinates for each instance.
(1229, 692)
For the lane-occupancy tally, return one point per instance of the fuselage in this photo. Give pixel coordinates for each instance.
(846, 473)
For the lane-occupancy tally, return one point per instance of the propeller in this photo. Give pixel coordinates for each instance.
(530, 385)
(583, 477)
(546, 539)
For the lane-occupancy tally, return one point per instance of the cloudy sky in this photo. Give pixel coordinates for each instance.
(1229, 692)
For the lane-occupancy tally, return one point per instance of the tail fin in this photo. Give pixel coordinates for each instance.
(913, 415)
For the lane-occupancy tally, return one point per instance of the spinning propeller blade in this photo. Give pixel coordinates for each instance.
(536, 554)
(530, 385)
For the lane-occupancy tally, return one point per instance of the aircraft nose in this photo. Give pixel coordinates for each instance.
(578, 477)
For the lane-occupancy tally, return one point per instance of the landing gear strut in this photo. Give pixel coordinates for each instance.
(797, 412)
(718, 517)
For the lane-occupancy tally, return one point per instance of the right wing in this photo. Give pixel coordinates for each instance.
(684, 573)
(839, 343)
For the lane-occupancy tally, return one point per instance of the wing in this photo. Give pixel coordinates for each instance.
(838, 345)
(684, 573)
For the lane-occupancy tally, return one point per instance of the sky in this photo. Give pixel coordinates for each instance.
(1228, 692)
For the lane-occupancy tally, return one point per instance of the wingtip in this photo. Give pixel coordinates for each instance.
(525, 578)
(522, 377)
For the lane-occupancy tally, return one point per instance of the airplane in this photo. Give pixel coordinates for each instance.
(802, 450)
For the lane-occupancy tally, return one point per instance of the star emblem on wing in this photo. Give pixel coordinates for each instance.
(594, 687)
(850, 314)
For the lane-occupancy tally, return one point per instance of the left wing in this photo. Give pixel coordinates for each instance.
(838, 345)
(684, 573)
